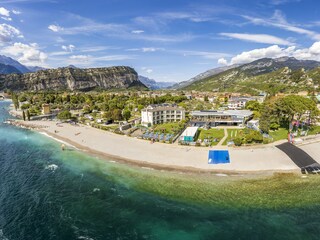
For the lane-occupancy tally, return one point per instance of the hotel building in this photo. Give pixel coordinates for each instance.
(161, 113)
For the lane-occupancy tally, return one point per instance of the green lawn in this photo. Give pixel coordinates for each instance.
(232, 133)
(211, 134)
(171, 128)
(279, 134)
(313, 130)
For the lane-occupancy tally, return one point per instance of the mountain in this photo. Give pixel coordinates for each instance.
(282, 74)
(9, 61)
(73, 79)
(203, 75)
(7, 69)
(35, 68)
(152, 84)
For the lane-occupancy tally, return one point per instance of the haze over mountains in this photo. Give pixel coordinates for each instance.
(153, 84)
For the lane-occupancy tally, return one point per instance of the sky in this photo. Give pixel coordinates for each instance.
(166, 40)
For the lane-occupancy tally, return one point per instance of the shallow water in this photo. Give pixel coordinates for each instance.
(46, 193)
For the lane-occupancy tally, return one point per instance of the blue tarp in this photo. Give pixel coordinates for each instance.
(218, 156)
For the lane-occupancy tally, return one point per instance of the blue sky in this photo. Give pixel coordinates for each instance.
(167, 40)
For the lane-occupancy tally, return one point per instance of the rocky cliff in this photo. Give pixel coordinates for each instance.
(73, 79)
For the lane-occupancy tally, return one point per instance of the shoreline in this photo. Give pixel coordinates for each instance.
(150, 166)
(158, 156)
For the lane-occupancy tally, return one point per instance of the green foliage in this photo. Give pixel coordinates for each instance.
(116, 114)
(283, 80)
(64, 115)
(274, 126)
(237, 141)
(126, 114)
(281, 111)
(15, 100)
(25, 106)
(22, 98)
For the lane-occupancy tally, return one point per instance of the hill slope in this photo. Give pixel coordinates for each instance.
(202, 76)
(9, 61)
(282, 74)
(7, 69)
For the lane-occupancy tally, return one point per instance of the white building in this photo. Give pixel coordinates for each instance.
(239, 102)
(189, 134)
(213, 118)
(161, 113)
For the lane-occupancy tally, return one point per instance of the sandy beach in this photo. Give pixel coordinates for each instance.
(169, 156)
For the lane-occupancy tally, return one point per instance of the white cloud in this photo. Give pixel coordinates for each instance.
(147, 70)
(274, 51)
(16, 12)
(249, 56)
(259, 38)
(278, 20)
(206, 55)
(4, 12)
(68, 48)
(55, 28)
(8, 33)
(222, 61)
(137, 31)
(7, 18)
(151, 49)
(90, 60)
(80, 57)
(280, 2)
(114, 58)
(28, 54)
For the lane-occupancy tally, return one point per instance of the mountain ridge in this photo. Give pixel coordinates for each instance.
(118, 77)
(259, 73)
(153, 84)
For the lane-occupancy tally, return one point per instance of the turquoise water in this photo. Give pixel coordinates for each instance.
(49, 194)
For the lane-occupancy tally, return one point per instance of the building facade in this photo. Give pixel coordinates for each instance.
(215, 118)
(46, 109)
(161, 113)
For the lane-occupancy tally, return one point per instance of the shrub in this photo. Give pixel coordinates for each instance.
(64, 115)
(237, 141)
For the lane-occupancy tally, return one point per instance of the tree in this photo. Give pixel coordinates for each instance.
(64, 115)
(282, 111)
(253, 105)
(23, 115)
(28, 115)
(116, 114)
(15, 101)
(126, 114)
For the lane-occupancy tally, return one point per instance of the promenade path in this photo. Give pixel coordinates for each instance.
(297, 155)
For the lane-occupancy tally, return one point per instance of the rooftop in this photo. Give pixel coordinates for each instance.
(241, 113)
(162, 107)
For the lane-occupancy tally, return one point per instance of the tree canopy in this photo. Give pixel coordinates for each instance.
(282, 111)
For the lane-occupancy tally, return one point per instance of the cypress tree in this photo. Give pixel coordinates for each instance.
(28, 115)
(23, 115)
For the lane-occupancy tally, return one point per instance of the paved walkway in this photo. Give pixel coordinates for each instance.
(224, 138)
(297, 155)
